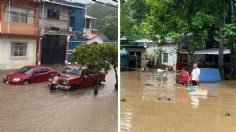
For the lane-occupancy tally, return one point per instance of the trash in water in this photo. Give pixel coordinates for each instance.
(227, 114)
(123, 100)
(149, 84)
(191, 89)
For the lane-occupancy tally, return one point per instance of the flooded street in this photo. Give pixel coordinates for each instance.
(34, 108)
(151, 104)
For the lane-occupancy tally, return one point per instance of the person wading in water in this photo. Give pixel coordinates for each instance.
(55, 81)
(195, 76)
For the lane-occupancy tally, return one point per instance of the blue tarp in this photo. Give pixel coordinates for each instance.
(209, 75)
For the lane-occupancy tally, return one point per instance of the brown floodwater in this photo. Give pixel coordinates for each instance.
(34, 108)
(159, 105)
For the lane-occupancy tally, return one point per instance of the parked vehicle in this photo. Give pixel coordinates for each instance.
(29, 74)
(76, 77)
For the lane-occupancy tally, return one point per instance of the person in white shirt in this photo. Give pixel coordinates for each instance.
(195, 76)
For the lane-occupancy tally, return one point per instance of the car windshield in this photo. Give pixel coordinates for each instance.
(25, 70)
(72, 71)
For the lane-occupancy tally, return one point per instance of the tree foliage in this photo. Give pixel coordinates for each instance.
(96, 57)
(173, 19)
(132, 13)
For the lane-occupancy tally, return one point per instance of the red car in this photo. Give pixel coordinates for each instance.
(77, 77)
(29, 74)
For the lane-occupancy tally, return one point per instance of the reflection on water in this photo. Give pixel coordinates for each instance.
(159, 105)
(34, 108)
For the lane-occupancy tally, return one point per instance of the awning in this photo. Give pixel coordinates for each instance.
(213, 51)
(90, 17)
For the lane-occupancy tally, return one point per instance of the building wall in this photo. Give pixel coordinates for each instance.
(78, 15)
(9, 62)
(62, 23)
(73, 43)
(17, 28)
(172, 55)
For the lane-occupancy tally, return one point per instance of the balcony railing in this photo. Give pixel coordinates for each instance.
(18, 28)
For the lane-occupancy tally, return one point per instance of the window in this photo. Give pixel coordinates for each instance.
(44, 70)
(18, 49)
(20, 15)
(41, 70)
(165, 57)
(36, 71)
(53, 14)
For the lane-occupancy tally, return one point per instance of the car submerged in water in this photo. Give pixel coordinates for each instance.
(75, 76)
(29, 74)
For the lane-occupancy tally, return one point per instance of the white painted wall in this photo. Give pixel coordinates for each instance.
(172, 55)
(9, 62)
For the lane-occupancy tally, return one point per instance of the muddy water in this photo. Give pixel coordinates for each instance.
(34, 109)
(159, 105)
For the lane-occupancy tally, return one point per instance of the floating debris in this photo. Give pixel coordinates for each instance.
(123, 100)
(227, 114)
(159, 98)
(149, 84)
(168, 99)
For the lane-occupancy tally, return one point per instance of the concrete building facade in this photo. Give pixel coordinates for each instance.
(18, 33)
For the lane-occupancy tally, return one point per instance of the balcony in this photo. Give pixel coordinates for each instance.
(15, 28)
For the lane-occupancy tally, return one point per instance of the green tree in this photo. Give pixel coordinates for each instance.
(229, 32)
(132, 13)
(172, 18)
(97, 57)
